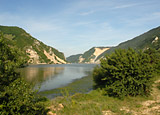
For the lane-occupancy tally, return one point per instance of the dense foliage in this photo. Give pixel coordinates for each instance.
(16, 96)
(155, 60)
(124, 72)
(9, 61)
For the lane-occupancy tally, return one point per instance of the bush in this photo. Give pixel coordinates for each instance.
(155, 60)
(9, 61)
(123, 73)
(20, 99)
(16, 96)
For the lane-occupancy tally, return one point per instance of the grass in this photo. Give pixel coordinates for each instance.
(157, 77)
(95, 103)
(158, 86)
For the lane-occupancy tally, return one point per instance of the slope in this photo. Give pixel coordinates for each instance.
(36, 51)
(149, 39)
(89, 56)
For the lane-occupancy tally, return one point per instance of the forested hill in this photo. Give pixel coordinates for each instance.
(35, 51)
(150, 39)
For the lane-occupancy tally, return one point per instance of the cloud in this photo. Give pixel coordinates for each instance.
(9, 19)
(124, 6)
(40, 26)
(84, 23)
(157, 14)
(30, 23)
(146, 19)
(86, 13)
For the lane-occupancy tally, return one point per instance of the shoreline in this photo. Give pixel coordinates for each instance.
(82, 85)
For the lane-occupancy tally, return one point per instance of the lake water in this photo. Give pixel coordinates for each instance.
(50, 77)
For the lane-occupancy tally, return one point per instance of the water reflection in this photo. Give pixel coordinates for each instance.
(54, 76)
(38, 75)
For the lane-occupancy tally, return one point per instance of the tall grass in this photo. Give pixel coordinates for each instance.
(94, 103)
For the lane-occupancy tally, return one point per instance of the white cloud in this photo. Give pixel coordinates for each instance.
(8, 19)
(76, 26)
(143, 19)
(33, 25)
(84, 23)
(157, 14)
(124, 6)
(86, 13)
(40, 26)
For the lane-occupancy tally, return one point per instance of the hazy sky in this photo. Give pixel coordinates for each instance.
(74, 26)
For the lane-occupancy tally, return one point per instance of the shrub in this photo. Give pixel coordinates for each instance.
(20, 99)
(9, 61)
(124, 72)
(155, 60)
(16, 96)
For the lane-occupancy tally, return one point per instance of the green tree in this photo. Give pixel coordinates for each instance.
(16, 96)
(124, 72)
(9, 61)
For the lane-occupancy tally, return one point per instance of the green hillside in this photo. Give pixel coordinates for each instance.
(35, 50)
(87, 57)
(73, 58)
(140, 42)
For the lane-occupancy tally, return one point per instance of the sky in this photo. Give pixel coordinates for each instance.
(74, 26)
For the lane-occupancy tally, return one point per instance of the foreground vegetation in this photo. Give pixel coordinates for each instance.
(126, 82)
(125, 73)
(96, 103)
(17, 97)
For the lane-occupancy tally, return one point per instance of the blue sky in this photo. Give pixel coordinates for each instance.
(74, 26)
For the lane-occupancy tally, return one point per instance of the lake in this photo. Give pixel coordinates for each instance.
(52, 77)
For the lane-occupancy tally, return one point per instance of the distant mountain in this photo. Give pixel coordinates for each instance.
(150, 39)
(74, 58)
(89, 56)
(35, 51)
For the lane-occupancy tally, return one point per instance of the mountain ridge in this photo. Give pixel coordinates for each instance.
(139, 42)
(149, 39)
(35, 51)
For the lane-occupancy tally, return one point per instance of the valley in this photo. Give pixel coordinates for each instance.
(36, 52)
(80, 57)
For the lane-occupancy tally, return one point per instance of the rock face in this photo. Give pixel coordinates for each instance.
(33, 56)
(89, 56)
(155, 40)
(35, 51)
